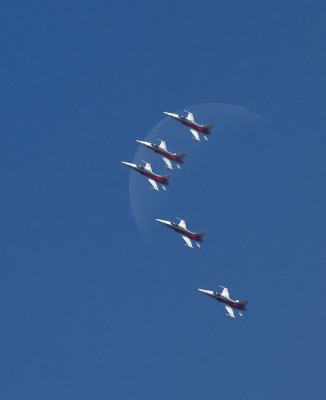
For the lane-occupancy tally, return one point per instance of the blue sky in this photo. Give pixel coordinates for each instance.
(91, 308)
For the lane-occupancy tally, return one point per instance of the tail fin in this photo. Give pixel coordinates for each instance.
(182, 155)
(201, 234)
(168, 176)
(209, 127)
(244, 303)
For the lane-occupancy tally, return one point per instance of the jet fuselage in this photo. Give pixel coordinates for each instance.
(163, 180)
(205, 129)
(171, 156)
(194, 125)
(167, 154)
(239, 305)
(197, 237)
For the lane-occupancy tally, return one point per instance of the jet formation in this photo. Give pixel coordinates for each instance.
(155, 179)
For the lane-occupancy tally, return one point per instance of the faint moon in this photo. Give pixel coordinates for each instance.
(199, 190)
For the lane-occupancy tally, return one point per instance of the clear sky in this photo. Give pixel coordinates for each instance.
(92, 308)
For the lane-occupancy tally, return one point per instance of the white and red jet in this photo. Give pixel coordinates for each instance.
(162, 150)
(187, 235)
(153, 178)
(224, 298)
(190, 123)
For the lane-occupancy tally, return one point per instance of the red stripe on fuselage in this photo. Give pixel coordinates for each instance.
(198, 128)
(173, 157)
(238, 306)
(156, 178)
(190, 235)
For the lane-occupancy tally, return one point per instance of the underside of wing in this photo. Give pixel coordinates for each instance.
(168, 163)
(182, 224)
(163, 145)
(148, 167)
(225, 292)
(153, 183)
(195, 134)
(229, 311)
(190, 116)
(188, 241)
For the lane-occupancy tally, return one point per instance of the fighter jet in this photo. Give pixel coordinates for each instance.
(187, 235)
(162, 150)
(189, 122)
(224, 298)
(153, 178)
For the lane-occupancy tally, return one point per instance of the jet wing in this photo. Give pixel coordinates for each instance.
(195, 134)
(225, 292)
(148, 167)
(188, 241)
(182, 224)
(190, 116)
(167, 162)
(162, 145)
(229, 311)
(153, 183)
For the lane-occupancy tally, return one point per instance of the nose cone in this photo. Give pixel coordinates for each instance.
(162, 221)
(127, 163)
(144, 143)
(208, 292)
(170, 114)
